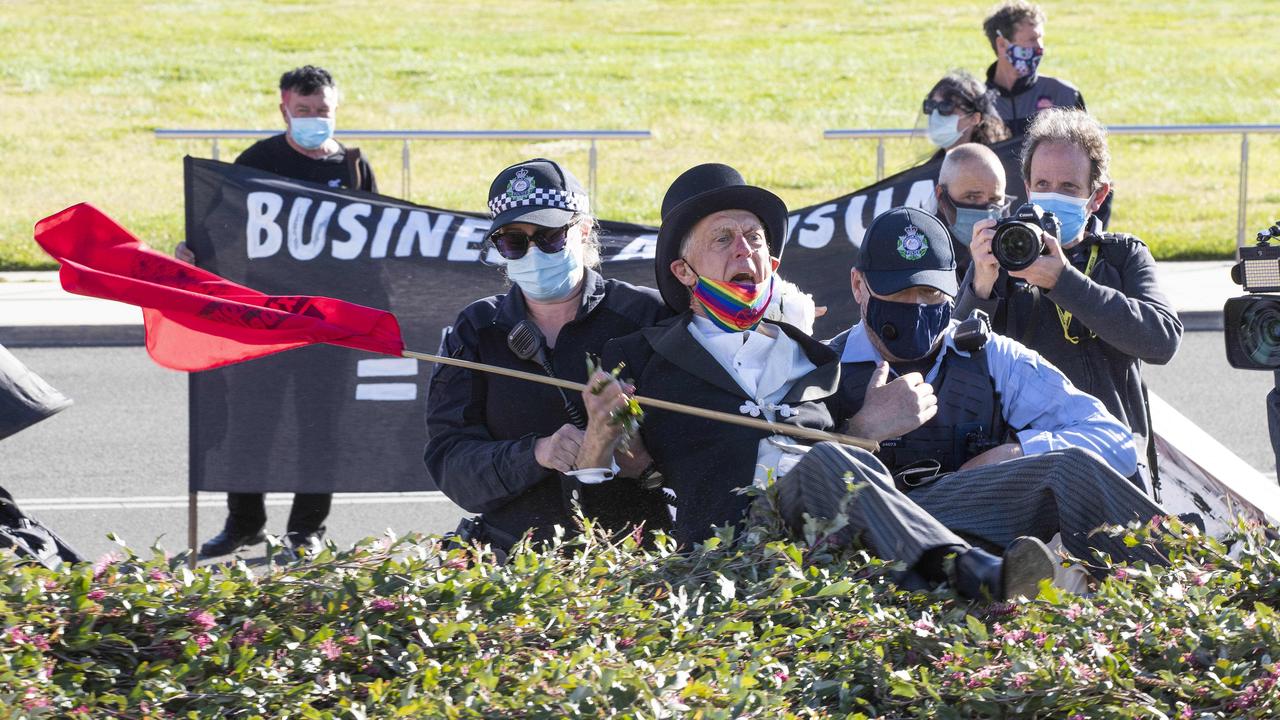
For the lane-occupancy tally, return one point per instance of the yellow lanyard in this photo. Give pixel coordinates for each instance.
(1064, 316)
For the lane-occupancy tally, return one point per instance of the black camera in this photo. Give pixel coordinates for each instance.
(1251, 323)
(1017, 242)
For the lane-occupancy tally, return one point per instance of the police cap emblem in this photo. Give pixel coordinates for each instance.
(912, 244)
(521, 186)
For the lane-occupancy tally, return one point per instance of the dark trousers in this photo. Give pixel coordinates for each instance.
(1069, 492)
(247, 512)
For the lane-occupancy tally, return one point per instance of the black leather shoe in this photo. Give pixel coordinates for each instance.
(979, 575)
(305, 542)
(229, 541)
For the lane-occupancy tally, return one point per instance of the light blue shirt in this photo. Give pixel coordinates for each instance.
(1034, 395)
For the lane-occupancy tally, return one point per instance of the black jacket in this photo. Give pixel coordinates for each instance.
(1119, 315)
(1030, 95)
(481, 427)
(704, 461)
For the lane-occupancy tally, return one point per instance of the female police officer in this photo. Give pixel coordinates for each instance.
(497, 446)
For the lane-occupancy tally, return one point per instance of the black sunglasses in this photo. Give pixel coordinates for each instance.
(513, 244)
(944, 107)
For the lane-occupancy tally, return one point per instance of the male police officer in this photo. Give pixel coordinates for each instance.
(1016, 33)
(718, 250)
(1091, 305)
(981, 432)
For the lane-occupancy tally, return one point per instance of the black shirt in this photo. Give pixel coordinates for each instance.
(345, 168)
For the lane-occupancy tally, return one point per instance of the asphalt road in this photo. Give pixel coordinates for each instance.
(116, 461)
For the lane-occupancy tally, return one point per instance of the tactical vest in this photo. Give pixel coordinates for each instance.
(969, 421)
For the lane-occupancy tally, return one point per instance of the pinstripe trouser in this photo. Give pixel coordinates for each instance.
(1067, 491)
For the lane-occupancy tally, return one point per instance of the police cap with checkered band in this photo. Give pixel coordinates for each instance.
(539, 192)
(905, 247)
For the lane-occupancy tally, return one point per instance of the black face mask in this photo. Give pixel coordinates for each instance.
(908, 330)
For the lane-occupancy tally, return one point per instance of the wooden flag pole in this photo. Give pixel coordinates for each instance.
(780, 429)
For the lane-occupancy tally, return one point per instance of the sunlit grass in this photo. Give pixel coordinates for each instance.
(83, 85)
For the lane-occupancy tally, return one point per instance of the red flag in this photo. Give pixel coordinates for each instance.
(194, 319)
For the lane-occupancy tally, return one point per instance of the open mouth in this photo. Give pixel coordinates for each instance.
(743, 277)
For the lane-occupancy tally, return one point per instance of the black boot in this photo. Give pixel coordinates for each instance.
(979, 575)
(230, 540)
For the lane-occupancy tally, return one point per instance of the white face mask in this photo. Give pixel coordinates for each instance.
(944, 130)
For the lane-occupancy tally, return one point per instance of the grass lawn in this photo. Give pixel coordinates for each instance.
(754, 84)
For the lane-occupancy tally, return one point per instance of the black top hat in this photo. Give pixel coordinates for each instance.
(697, 193)
(538, 192)
(905, 247)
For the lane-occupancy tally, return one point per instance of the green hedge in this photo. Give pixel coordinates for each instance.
(740, 628)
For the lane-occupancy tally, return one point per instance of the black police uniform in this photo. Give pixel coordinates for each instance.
(482, 427)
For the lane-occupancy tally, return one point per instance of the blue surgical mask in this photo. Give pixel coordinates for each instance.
(547, 278)
(944, 129)
(1071, 211)
(966, 218)
(310, 132)
(908, 330)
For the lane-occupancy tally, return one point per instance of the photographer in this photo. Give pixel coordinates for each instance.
(1089, 302)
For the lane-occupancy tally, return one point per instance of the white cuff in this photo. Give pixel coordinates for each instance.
(595, 476)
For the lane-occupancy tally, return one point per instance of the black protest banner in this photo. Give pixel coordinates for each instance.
(325, 419)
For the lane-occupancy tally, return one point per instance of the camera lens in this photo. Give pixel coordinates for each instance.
(1260, 333)
(1016, 245)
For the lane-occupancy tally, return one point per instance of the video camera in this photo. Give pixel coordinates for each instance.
(1017, 242)
(1252, 322)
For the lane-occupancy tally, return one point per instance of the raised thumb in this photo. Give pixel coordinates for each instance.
(879, 376)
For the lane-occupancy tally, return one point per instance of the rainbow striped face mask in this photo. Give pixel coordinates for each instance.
(733, 306)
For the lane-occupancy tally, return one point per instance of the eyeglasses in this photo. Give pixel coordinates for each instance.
(513, 244)
(998, 209)
(945, 107)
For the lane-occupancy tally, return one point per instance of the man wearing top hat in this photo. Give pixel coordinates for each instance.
(719, 246)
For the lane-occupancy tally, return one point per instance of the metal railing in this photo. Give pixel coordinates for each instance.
(1244, 131)
(407, 136)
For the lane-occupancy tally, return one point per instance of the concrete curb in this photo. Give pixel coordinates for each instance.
(72, 335)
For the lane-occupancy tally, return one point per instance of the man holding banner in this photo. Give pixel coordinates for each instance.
(306, 151)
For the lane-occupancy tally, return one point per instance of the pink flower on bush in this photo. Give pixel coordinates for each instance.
(627, 642)
(1072, 612)
(202, 619)
(458, 563)
(158, 575)
(246, 635)
(41, 642)
(96, 594)
(202, 640)
(383, 605)
(330, 649)
(781, 676)
(1121, 574)
(17, 635)
(1021, 679)
(101, 564)
(349, 640)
